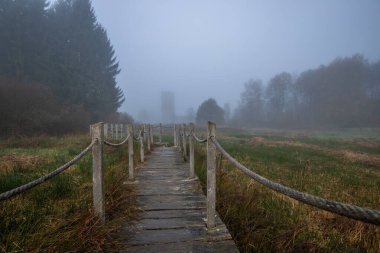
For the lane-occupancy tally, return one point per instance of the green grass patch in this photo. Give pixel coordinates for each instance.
(57, 215)
(261, 220)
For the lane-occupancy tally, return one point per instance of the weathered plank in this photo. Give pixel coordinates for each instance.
(174, 210)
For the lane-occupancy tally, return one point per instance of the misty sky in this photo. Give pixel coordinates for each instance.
(201, 48)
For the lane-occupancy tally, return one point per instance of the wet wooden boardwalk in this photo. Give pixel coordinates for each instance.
(174, 210)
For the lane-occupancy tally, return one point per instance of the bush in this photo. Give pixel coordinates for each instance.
(30, 108)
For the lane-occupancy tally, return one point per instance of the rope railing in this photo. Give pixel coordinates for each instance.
(99, 133)
(11, 193)
(117, 144)
(347, 210)
(138, 135)
(199, 140)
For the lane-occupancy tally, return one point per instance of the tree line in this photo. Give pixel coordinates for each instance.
(345, 93)
(57, 67)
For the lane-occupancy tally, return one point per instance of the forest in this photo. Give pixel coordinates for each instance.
(342, 94)
(57, 68)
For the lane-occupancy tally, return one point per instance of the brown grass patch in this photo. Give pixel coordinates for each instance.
(367, 143)
(353, 156)
(10, 161)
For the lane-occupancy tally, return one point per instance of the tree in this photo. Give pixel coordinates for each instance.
(64, 49)
(277, 97)
(87, 66)
(250, 111)
(23, 35)
(335, 95)
(209, 110)
(373, 92)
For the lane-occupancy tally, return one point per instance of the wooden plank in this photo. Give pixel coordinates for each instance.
(194, 246)
(173, 217)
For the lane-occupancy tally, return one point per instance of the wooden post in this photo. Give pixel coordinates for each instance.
(184, 142)
(130, 152)
(148, 137)
(160, 136)
(117, 131)
(111, 128)
(145, 132)
(97, 171)
(211, 176)
(105, 130)
(179, 137)
(151, 135)
(142, 145)
(191, 147)
(175, 135)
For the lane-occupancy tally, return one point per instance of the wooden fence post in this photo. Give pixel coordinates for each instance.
(191, 147)
(106, 130)
(148, 137)
(130, 152)
(111, 131)
(117, 131)
(184, 142)
(175, 135)
(142, 151)
(180, 137)
(151, 135)
(211, 175)
(145, 132)
(97, 171)
(160, 136)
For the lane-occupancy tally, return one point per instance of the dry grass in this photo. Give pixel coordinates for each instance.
(57, 216)
(371, 159)
(10, 161)
(261, 220)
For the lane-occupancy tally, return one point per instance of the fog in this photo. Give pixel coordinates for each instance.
(203, 49)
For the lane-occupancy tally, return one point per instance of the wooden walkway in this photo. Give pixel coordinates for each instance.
(174, 210)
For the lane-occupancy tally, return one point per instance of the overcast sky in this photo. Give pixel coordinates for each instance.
(201, 48)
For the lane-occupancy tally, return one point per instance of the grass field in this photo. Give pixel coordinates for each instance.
(57, 215)
(342, 166)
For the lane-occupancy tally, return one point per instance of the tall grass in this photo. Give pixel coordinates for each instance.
(57, 216)
(261, 220)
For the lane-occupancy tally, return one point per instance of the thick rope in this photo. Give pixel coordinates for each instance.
(139, 136)
(27, 186)
(198, 139)
(117, 144)
(347, 210)
(190, 133)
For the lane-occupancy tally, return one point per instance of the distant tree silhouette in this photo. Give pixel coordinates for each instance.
(209, 110)
(345, 93)
(277, 94)
(251, 108)
(63, 48)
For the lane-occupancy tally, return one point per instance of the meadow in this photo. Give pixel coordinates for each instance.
(57, 216)
(337, 165)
